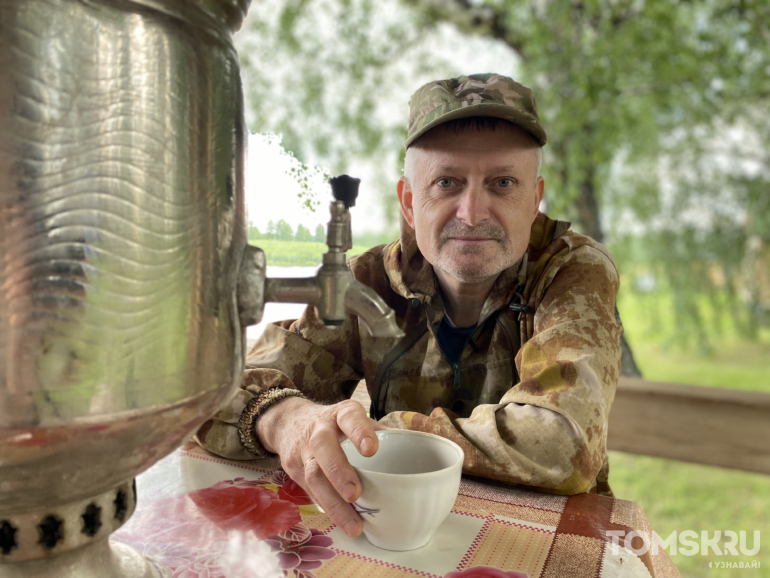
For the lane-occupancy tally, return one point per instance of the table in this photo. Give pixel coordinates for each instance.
(201, 516)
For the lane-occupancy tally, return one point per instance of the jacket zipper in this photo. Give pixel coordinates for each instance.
(455, 366)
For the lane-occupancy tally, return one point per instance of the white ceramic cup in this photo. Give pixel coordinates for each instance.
(408, 487)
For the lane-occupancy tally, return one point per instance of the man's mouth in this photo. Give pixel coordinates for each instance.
(471, 239)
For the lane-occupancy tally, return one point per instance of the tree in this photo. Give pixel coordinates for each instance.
(708, 191)
(320, 234)
(303, 233)
(254, 233)
(283, 231)
(271, 231)
(627, 90)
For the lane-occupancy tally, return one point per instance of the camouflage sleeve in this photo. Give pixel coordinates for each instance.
(323, 363)
(549, 430)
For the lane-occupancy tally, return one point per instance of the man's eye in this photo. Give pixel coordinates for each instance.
(505, 183)
(444, 183)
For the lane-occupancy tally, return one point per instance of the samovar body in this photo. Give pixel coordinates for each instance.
(125, 277)
(122, 227)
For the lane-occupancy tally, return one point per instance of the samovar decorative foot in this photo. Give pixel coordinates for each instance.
(72, 540)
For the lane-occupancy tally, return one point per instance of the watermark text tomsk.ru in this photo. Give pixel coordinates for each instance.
(686, 543)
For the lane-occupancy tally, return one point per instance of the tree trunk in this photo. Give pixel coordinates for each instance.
(588, 207)
(628, 365)
(588, 211)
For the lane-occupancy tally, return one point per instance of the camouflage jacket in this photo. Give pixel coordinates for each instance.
(530, 399)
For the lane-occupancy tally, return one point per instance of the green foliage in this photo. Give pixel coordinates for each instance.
(329, 92)
(733, 361)
(372, 239)
(304, 175)
(702, 248)
(303, 234)
(690, 283)
(283, 231)
(253, 232)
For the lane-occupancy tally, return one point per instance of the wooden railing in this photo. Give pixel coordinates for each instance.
(704, 425)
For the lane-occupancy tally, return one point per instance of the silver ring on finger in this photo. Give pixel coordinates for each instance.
(310, 459)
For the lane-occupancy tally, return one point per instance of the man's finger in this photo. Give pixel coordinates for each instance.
(338, 510)
(331, 458)
(358, 427)
(305, 486)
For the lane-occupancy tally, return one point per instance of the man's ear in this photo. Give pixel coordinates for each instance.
(539, 191)
(404, 191)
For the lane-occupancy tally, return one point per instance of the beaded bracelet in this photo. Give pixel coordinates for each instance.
(256, 406)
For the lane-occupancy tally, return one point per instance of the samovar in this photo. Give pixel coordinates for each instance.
(126, 280)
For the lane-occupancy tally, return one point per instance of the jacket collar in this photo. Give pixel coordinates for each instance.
(411, 276)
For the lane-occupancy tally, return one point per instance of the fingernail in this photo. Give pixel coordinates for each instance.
(348, 490)
(350, 527)
(366, 444)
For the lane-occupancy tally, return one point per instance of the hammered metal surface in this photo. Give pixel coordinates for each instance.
(121, 228)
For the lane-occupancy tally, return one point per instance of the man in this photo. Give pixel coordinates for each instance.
(511, 346)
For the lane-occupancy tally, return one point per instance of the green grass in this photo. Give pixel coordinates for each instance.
(734, 366)
(297, 253)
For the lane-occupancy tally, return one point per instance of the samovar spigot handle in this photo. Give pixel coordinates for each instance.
(333, 291)
(339, 235)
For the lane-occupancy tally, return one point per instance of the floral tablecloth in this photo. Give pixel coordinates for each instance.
(200, 516)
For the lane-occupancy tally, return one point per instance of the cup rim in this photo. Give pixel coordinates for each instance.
(444, 440)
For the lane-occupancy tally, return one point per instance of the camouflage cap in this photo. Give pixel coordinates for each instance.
(476, 95)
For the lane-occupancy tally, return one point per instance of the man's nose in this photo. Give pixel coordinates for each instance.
(473, 205)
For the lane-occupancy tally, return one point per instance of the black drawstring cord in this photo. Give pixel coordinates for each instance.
(519, 307)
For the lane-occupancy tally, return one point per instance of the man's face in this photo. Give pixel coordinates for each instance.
(471, 199)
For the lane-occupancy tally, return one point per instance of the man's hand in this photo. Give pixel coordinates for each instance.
(307, 437)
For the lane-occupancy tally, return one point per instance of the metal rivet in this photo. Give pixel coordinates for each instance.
(415, 302)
